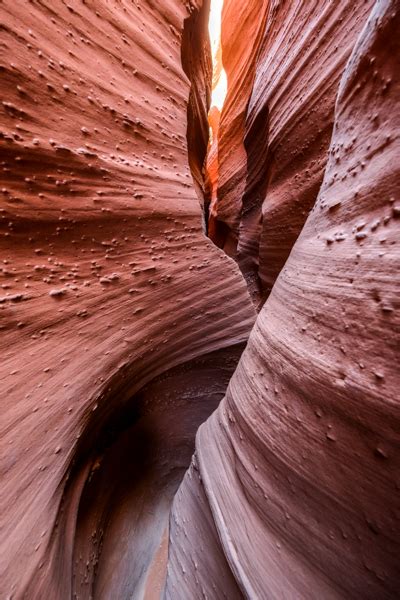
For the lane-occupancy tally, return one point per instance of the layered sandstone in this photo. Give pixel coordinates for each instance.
(121, 323)
(293, 491)
(273, 153)
(241, 33)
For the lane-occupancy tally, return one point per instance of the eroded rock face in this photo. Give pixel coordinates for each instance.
(273, 153)
(121, 323)
(299, 68)
(293, 491)
(241, 35)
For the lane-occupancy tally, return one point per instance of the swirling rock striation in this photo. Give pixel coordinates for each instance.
(241, 34)
(121, 323)
(112, 352)
(293, 72)
(294, 491)
(300, 64)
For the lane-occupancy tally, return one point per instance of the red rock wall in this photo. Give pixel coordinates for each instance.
(108, 285)
(299, 68)
(294, 489)
(242, 28)
(272, 158)
(196, 62)
(121, 323)
(211, 175)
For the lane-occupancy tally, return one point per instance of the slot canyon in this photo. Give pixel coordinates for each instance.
(200, 300)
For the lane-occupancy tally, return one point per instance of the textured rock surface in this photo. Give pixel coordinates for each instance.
(120, 322)
(294, 488)
(273, 153)
(211, 173)
(196, 62)
(241, 22)
(298, 72)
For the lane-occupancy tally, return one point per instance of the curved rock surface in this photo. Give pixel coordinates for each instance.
(301, 61)
(294, 488)
(277, 123)
(121, 323)
(242, 22)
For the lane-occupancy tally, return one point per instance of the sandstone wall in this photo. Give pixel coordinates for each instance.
(293, 491)
(108, 283)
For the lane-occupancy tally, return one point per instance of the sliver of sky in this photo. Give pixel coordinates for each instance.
(214, 27)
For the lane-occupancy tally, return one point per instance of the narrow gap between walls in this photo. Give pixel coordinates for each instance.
(219, 80)
(219, 88)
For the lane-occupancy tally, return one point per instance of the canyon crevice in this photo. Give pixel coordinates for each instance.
(105, 325)
(199, 338)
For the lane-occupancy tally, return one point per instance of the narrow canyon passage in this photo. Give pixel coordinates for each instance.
(199, 304)
(293, 489)
(113, 354)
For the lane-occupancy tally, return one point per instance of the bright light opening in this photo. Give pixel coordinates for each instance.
(220, 82)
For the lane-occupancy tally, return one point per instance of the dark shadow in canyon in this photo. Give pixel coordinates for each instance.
(126, 468)
(131, 456)
(248, 250)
